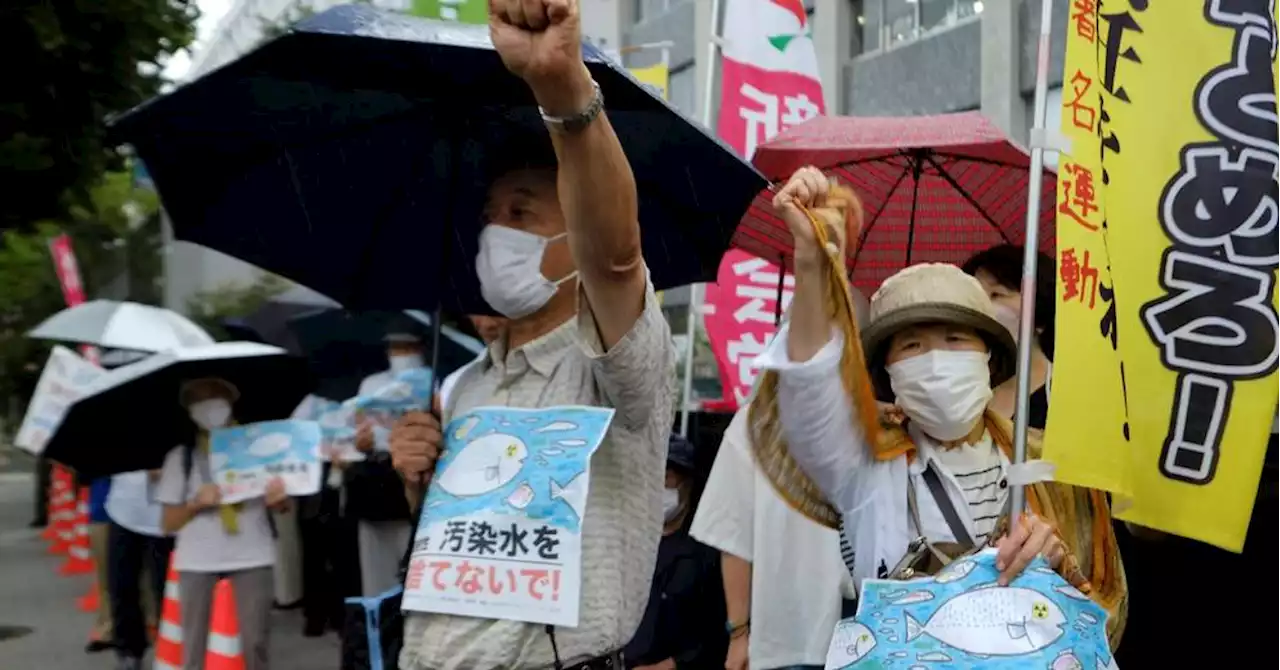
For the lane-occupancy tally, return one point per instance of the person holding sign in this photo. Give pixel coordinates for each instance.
(217, 541)
(940, 468)
(561, 258)
(381, 515)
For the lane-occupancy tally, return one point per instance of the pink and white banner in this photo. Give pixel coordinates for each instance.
(769, 82)
(739, 313)
(64, 263)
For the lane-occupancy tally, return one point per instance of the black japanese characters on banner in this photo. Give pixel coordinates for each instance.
(1217, 323)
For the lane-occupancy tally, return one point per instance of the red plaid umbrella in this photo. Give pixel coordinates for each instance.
(935, 189)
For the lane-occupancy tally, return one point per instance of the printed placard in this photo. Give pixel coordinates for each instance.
(961, 618)
(63, 380)
(243, 459)
(407, 391)
(500, 536)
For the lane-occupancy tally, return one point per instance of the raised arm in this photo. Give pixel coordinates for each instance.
(541, 41)
(814, 408)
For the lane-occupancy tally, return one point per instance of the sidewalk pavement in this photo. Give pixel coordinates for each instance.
(33, 596)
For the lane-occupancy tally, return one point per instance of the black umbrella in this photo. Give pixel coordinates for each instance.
(269, 323)
(130, 417)
(366, 138)
(339, 341)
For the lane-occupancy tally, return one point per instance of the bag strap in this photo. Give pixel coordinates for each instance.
(948, 509)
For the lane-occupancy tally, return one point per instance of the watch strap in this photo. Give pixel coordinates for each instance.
(576, 122)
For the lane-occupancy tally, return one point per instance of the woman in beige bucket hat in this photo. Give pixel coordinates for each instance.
(933, 349)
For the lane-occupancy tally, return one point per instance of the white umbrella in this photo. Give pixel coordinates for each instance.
(122, 325)
(130, 417)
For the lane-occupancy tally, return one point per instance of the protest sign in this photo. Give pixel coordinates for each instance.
(1166, 356)
(337, 432)
(244, 458)
(63, 380)
(407, 391)
(500, 535)
(960, 618)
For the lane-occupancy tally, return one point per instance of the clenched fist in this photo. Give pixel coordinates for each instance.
(415, 445)
(835, 206)
(540, 41)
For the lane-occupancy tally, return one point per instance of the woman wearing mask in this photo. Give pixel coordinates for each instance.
(999, 270)
(683, 622)
(935, 349)
(217, 541)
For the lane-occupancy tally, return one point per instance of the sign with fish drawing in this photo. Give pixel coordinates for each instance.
(961, 618)
(409, 390)
(500, 536)
(243, 459)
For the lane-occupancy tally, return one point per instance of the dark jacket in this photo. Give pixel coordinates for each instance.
(685, 617)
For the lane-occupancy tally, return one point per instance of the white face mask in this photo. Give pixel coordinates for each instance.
(670, 503)
(509, 266)
(1010, 319)
(210, 414)
(944, 392)
(402, 362)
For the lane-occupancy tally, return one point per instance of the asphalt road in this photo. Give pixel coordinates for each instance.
(39, 606)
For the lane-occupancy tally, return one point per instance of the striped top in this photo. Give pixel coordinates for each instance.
(976, 468)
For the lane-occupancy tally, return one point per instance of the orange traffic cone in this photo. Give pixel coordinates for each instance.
(79, 557)
(89, 602)
(63, 517)
(223, 651)
(168, 640)
(52, 502)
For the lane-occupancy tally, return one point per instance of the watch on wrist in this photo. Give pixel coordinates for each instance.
(735, 628)
(576, 122)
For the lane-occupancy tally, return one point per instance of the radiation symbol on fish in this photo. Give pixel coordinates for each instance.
(1040, 611)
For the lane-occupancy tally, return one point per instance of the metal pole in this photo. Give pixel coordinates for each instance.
(1026, 328)
(695, 290)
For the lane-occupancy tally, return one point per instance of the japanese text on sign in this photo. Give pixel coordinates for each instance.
(476, 558)
(766, 114)
(740, 323)
(1216, 323)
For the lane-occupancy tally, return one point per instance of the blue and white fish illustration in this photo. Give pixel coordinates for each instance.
(954, 572)
(484, 464)
(850, 643)
(913, 598)
(997, 622)
(573, 494)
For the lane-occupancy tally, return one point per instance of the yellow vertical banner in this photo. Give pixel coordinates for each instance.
(1085, 336)
(655, 77)
(1170, 109)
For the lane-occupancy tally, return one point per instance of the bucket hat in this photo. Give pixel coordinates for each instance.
(402, 329)
(933, 293)
(680, 453)
(188, 388)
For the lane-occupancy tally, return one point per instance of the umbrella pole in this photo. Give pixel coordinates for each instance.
(1026, 327)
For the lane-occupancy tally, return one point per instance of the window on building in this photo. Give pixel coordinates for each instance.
(866, 32)
(682, 91)
(648, 9)
(888, 23)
